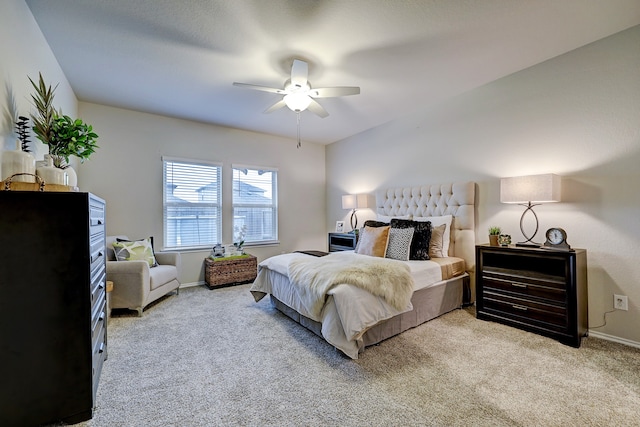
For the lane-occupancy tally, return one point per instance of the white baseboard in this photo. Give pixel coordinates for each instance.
(191, 284)
(613, 338)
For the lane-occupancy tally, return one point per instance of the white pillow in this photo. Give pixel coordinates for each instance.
(387, 219)
(436, 221)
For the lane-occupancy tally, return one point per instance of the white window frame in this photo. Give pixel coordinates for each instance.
(271, 236)
(214, 209)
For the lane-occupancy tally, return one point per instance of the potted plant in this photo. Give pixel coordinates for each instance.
(494, 232)
(64, 136)
(70, 137)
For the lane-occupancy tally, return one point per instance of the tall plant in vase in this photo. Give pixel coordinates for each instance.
(64, 136)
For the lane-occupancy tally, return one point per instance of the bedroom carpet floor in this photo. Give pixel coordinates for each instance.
(217, 358)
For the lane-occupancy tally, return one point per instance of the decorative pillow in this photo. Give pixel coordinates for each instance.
(369, 223)
(135, 250)
(435, 246)
(436, 221)
(373, 241)
(399, 243)
(421, 237)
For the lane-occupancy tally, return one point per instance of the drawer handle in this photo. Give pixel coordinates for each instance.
(101, 350)
(519, 285)
(519, 307)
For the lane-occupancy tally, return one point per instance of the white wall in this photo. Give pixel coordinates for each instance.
(577, 115)
(25, 53)
(127, 172)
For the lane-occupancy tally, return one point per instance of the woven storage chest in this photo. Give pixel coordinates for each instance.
(230, 271)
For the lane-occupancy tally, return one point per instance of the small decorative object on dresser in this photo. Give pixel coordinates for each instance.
(504, 239)
(339, 226)
(556, 239)
(494, 232)
(540, 291)
(230, 270)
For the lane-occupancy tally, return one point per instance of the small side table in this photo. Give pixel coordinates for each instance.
(229, 271)
(109, 289)
(342, 242)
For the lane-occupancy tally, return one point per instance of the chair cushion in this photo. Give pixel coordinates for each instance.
(162, 274)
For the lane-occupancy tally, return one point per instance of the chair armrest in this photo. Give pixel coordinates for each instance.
(128, 267)
(131, 282)
(169, 258)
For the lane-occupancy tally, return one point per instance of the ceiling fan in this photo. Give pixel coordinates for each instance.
(299, 95)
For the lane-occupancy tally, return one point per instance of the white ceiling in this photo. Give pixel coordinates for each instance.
(180, 57)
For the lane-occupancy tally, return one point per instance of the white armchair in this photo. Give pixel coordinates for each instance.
(135, 284)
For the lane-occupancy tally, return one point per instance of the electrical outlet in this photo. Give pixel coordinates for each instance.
(620, 302)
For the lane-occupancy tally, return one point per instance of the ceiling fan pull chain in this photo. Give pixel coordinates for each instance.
(298, 116)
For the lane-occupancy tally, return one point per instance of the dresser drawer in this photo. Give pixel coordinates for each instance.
(98, 355)
(525, 309)
(525, 288)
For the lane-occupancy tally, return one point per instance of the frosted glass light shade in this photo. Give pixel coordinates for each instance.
(532, 188)
(297, 101)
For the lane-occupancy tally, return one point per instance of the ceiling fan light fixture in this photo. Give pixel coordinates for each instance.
(297, 101)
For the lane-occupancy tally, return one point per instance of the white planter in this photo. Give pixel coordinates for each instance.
(18, 161)
(51, 174)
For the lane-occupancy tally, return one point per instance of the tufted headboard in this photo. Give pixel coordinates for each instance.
(456, 199)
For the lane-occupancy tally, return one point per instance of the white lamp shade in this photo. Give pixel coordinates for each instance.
(362, 201)
(349, 201)
(532, 188)
(355, 201)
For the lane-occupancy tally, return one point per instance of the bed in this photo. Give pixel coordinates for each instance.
(356, 309)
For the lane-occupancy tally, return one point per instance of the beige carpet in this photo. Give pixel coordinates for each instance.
(216, 358)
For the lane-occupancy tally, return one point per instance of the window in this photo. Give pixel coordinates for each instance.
(191, 203)
(255, 204)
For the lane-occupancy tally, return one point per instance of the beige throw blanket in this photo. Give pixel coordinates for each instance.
(385, 278)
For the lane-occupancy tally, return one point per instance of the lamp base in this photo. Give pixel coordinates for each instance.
(528, 245)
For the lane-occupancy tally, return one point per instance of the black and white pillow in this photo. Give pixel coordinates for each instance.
(421, 237)
(399, 243)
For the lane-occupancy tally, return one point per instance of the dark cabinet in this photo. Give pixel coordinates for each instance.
(53, 330)
(342, 242)
(538, 290)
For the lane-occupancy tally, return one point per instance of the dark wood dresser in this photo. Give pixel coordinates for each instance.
(53, 331)
(538, 290)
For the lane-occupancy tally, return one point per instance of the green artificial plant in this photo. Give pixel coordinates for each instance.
(63, 135)
(494, 231)
(71, 137)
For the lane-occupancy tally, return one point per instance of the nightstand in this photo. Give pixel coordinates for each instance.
(342, 242)
(538, 290)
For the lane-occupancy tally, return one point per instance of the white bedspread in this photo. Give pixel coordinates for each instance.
(348, 311)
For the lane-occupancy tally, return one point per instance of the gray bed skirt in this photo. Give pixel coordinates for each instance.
(428, 303)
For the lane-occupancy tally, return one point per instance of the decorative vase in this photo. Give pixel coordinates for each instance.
(51, 174)
(18, 161)
(493, 239)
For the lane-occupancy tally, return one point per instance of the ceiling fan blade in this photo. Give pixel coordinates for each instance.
(299, 73)
(275, 106)
(262, 88)
(317, 109)
(330, 92)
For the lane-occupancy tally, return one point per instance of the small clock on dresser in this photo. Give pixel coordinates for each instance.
(556, 239)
